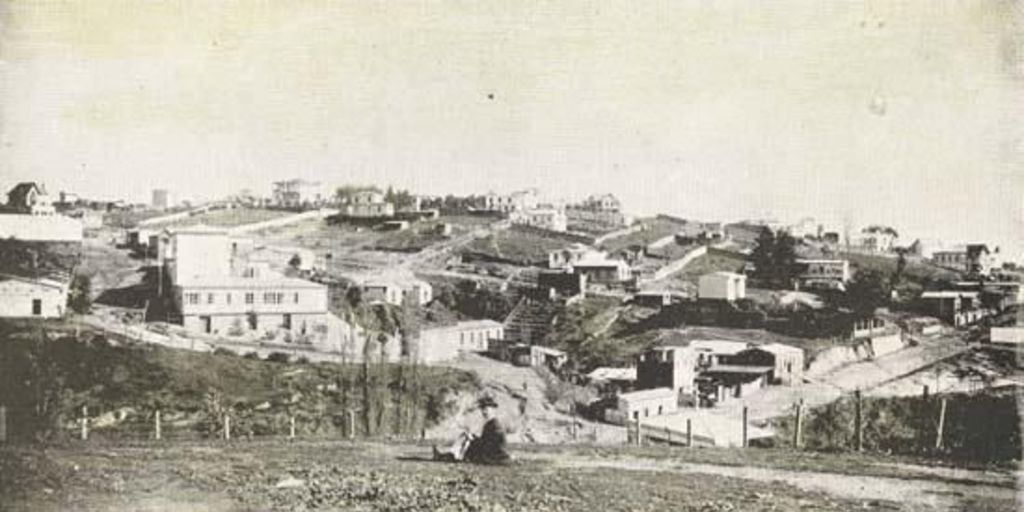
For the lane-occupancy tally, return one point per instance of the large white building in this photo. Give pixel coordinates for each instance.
(516, 201)
(216, 292)
(300, 193)
(830, 274)
(546, 218)
(369, 204)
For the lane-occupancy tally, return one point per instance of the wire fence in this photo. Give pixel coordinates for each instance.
(979, 428)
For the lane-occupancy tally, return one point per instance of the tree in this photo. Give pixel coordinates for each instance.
(783, 259)
(295, 261)
(80, 294)
(866, 291)
(901, 265)
(762, 254)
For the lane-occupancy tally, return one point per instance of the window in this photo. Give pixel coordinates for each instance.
(37, 307)
(191, 298)
(296, 297)
(249, 298)
(227, 297)
(209, 298)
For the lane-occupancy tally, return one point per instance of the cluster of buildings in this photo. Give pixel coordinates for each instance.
(525, 207)
(699, 372)
(31, 286)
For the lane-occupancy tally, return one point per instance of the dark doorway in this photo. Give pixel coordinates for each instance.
(37, 307)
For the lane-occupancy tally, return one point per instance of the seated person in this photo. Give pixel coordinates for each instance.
(487, 448)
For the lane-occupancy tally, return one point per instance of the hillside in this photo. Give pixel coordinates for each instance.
(38, 259)
(45, 382)
(516, 246)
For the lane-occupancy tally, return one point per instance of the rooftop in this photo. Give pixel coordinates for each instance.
(248, 283)
(719, 346)
(741, 369)
(648, 394)
(722, 273)
(948, 294)
(779, 348)
(605, 373)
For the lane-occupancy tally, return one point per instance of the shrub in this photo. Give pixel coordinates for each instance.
(278, 357)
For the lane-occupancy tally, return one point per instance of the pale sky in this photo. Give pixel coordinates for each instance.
(902, 113)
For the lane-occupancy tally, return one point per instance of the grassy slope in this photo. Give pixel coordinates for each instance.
(30, 258)
(514, 245)
(656, 228)
(230, 218)
(107, 378)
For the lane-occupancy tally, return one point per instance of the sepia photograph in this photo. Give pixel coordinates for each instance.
(499, 255)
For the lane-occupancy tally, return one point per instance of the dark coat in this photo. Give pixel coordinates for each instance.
(491, 446)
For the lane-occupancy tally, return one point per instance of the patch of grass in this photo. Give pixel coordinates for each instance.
(655, 228)
(230, 218)
(519, 246)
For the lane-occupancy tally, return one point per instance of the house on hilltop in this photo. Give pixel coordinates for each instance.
(30, 198)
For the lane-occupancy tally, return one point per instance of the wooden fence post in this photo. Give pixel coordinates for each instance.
(156, 425)
(799, 427)
(858, 424)
(84, 433)
(924, 392)
(689, 432)
(744, 426)
(291, 427)
(3, 424)
(227, 427)
(351, 424)
(942, 424)
(639, 433)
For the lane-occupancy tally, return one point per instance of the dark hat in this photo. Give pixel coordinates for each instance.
(486, 401)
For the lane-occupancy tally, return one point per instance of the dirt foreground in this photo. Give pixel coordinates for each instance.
(308, 475)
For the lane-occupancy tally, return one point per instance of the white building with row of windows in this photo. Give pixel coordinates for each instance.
(215, 292)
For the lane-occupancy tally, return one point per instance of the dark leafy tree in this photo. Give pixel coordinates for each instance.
(867, 290)
(762, 254)
(783, 259)
(80, 294)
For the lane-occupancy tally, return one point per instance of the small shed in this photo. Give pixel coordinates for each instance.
(642, 404)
